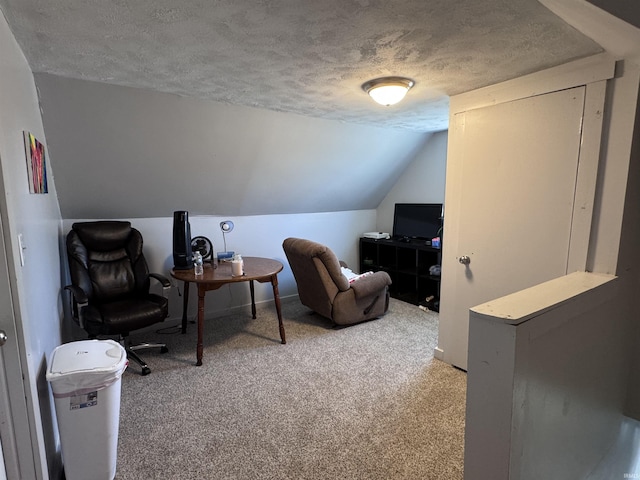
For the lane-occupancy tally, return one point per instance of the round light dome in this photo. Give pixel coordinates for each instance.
(388, 90)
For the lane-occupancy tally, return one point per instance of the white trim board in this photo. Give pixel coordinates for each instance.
(580, 72)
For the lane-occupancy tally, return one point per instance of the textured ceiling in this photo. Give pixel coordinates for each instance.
(303, 56)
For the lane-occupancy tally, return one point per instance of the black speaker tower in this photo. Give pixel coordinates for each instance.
(181, 241)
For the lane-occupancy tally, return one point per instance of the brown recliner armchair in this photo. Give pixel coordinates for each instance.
(324, 289)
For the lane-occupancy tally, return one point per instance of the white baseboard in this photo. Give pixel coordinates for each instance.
(438, 353)
(193, 315)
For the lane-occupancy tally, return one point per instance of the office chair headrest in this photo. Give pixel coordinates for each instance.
(103, 236)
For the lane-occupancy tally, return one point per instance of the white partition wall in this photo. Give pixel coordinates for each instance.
(546, 380)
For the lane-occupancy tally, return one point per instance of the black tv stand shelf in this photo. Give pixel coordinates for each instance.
(407, 263)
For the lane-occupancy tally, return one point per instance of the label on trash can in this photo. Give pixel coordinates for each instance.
(83, 401)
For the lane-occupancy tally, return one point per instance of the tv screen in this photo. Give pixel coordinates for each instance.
(417, 220)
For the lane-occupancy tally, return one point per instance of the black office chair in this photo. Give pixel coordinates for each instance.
(110, 283)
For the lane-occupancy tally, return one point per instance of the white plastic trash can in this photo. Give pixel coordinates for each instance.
(85, 378)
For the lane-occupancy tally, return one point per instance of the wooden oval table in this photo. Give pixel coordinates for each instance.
(255, 269)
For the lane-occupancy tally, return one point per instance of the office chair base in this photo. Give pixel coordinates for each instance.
(131, 354)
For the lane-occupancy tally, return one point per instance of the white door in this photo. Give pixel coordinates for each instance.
(508, 214)
(15, 438)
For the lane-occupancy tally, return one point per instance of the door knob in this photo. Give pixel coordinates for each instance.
(465, 260)
(3, 337)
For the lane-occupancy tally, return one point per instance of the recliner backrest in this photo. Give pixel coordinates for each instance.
(106, 260)
(317, 273)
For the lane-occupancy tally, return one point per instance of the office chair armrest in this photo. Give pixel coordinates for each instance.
(79, 300)
(166, 284)
(78, 294)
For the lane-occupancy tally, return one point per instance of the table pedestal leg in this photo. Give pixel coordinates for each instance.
(276, 297)
(185, 305)
(253, 299)
(200, 345)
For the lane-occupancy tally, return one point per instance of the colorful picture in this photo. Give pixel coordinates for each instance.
(36, 164)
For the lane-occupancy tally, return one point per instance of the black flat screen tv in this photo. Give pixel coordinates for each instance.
(417, 220)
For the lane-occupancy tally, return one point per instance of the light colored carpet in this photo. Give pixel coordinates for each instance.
(367, 401)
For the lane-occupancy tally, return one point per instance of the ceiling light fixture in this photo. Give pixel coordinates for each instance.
(388, 90)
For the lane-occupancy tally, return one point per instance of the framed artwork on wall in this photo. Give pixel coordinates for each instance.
(36, 164)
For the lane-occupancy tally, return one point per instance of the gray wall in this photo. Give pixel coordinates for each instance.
(629, 263)
(262, 235)
(422, 182)
(627, 10)
(124, 152)
(35, 286)
(139, 155)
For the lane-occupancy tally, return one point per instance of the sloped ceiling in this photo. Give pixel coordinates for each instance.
(243, 107)
(302, 56)
(121, 152)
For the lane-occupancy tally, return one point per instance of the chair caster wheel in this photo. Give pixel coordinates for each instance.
(164, 350)
(145, 371)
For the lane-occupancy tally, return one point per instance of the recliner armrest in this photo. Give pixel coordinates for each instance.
(370, 284)
(166, 284)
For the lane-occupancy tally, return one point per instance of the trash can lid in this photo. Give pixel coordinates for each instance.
(85, 364)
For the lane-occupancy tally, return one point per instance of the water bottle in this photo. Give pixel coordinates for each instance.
(197, 263)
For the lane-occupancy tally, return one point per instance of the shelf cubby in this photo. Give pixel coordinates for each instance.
(408, 264)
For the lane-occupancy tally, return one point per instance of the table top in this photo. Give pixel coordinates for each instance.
(255, 268)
